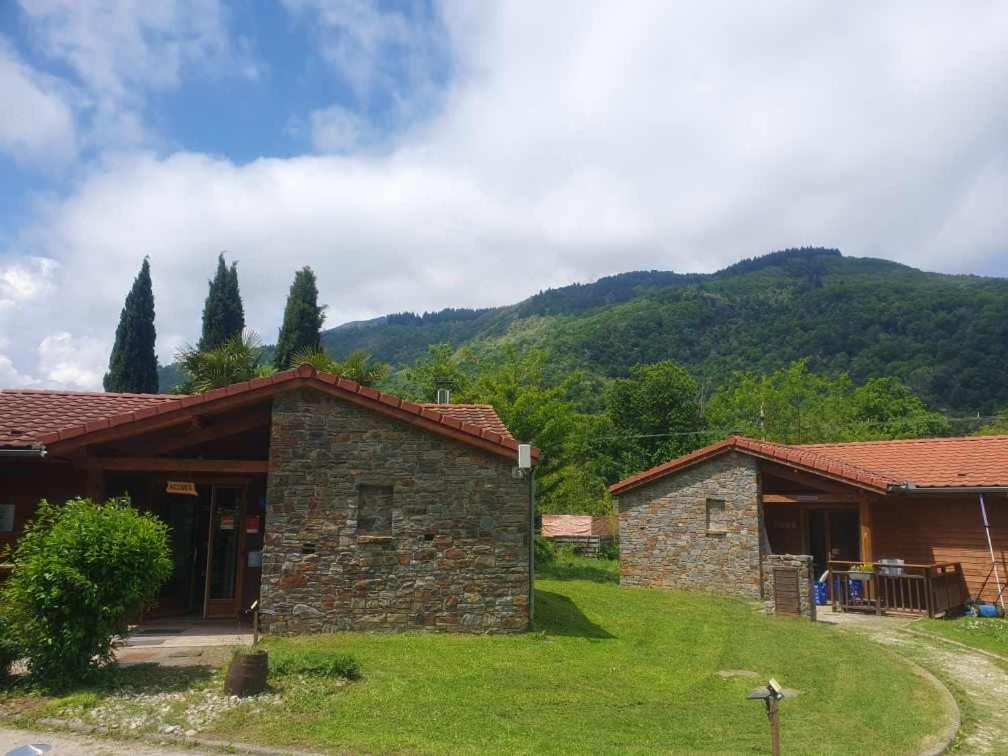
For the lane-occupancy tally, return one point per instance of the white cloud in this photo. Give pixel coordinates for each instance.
(120, 51)
(381, 52)
(335, 129)
(37, 124)
(575, 141)
(70, 362)
(25, 280)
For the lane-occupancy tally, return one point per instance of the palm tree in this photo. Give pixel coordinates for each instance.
(238, 359)
(358, 366)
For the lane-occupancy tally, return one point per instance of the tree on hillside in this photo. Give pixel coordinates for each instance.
(133, 363)
(654, 416)
(302, 320)
(796, 405)
(441, 366)
(223, 313)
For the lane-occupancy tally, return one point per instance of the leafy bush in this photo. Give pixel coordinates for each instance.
(609, 550)
(545, 550)
(8, 649)
(80, 572)
(319, 663)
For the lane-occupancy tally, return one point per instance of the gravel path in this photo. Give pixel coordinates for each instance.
(978, 681)
(66, 744)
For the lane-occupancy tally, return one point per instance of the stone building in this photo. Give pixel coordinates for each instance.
(729, 517)
(335, 506)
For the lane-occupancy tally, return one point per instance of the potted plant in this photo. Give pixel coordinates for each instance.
(863, 572)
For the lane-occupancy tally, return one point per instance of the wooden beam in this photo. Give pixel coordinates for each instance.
(866, 525)
(169, 464)
(201, 432)
(814, 481)
(809, 498)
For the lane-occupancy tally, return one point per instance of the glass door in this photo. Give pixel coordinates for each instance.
(223, 577)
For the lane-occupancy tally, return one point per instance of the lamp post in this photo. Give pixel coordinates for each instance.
(771, 695)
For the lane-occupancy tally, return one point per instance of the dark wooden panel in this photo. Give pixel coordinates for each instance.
(786, 590)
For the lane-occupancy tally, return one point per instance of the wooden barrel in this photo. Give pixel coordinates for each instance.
(247, 674)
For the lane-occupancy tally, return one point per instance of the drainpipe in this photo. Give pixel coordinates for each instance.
(531, 596)
(34, 452)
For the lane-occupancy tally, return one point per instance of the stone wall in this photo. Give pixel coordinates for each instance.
(450, 555)
(664, 534)
(806, 594)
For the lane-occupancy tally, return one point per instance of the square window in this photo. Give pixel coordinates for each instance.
(374, 509)
(6, 518)
(717, 520)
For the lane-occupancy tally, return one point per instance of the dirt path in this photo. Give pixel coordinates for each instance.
(978, 681)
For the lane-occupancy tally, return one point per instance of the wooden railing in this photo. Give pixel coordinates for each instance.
(930, 589)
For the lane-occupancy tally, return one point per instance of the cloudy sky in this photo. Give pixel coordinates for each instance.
(471, 153)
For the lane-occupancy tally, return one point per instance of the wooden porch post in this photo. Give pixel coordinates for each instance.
(865, 522)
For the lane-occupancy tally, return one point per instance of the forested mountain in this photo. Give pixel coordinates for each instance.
(945, 336)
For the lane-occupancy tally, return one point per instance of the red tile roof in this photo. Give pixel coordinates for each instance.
(483, 415)
(27, 415)
(44, 418)
(974, 461)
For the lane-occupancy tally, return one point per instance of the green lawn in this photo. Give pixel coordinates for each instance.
(987, 634)
(608, 669)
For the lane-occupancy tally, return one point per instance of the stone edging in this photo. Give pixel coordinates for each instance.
(945, 738)
(218, 745)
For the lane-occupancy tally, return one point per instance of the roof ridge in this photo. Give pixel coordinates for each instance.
(907, 441)
(61, 392)
(807, 448)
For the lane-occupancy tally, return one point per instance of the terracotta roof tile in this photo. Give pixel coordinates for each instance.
(974, 461)
(30, 418)
(27, 415)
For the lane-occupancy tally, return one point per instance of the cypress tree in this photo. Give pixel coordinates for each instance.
(133, 363)
(302, 320)
(223, 313)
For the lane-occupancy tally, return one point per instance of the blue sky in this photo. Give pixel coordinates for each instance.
(449, 153)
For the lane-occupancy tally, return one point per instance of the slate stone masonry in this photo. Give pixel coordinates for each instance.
(664, 535)
(806, 594)
(452, 554)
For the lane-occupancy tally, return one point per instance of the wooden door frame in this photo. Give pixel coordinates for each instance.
(239, 551)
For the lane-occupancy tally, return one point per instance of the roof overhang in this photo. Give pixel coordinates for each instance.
(168, 414)
(794, 457)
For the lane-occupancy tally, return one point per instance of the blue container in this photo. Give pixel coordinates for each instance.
(821, 593)
(988, 610)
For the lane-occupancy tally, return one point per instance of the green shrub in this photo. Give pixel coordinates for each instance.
(8, 649)
(312, 662)
(609, 550)
(80, 572)
(545, 550)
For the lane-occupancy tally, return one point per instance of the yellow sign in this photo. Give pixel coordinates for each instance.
(184, 487)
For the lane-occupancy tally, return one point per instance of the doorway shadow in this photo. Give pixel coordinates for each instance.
(556, 614)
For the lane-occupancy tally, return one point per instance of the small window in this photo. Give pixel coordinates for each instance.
(374, 509)
(6, 518)
(717, 522)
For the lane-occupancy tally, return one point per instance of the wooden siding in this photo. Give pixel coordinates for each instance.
(943, 528)
(27, 481)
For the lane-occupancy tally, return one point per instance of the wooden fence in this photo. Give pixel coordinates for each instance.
(931, 589)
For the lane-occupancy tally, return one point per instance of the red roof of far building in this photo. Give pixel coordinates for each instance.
(926, 463)
(43, 418)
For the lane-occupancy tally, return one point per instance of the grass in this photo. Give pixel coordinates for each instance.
(986, 634)
(607, 669)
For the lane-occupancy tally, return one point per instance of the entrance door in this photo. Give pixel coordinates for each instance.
(834, 535)
(223, 576)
